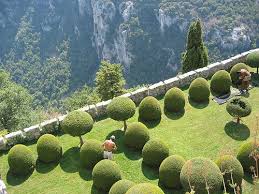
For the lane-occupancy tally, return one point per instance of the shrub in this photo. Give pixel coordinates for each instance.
(169, 171)
(154, 152)
(253, 60)
(235, 69)
(227, 164)
(196, 170)
(174, 100)
(121, 187)
(199, 90)
(91, 153)
(105, 174)
(145, 188)
(220, 83)
(238, 107)
(21, 160)
(136, 136)
(77, 123)
(244, 153)
(149, 109)
(49, 148)
(121, 109)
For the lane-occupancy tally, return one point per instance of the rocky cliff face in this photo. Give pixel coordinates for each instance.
(145, 36)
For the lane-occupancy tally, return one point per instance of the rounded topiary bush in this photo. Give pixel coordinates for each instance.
(91, 153)
(169, 171)
(145, 188)
(228, 163)
(21, 160)
(220, 83)
(136, 136)
(235, 69)
(244, 153)
(49, 148)
(121, 187)
(149, 109)
(105, 174)
(199, 90)
(196, 170)
(174, 100)
(154, 152)
(253, 60)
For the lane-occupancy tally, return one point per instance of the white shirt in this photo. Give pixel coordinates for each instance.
(2, 187)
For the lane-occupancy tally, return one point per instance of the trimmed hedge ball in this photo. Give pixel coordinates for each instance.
(243, 154)
(154, 152)
(49, 148)
(169, 171)
(145, 188)
(253, 60)
(21, 160)
(174, 100)
(235, 69)
(77, 123)
(149, 109)
(194, 171)
(121, 187)
(121, 108)
(199, 90)
(91, 153)
(105, 174)
(229, 163)
(221, 83)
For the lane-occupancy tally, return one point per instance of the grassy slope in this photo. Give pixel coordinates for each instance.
(201, 131)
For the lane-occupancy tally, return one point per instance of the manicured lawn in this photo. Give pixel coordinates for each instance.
(205, 130)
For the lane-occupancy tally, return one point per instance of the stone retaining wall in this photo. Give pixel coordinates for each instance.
(99, 110)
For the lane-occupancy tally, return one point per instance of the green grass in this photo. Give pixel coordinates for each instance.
(203, 130)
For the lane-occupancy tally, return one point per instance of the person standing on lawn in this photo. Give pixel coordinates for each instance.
(109, 147)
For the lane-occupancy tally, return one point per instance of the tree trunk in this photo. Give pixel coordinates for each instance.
(81, 141)
(238, 120)
(125, 126)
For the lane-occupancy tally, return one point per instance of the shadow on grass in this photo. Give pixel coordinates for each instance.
(70, 161)
(96, 191)
(150, 124)
(44, 168)
(85, 174)
(16, 180)
(132, 154)
(248, 178)
(174, 115)
(199, 105)
(119, 135)
(239, 132)
(151, 173)
(255, 79)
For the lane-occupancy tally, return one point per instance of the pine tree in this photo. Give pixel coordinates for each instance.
(196, 55)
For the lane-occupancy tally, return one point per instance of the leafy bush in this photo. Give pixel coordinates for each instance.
(253, 60)
(196, 170)
(105, 174)
(227, 164)
(145, 188)
(49, 148)
(136, 136)
(235, 69)
(149, 109)
(121, 187)
(174, 100)
(154, 152)
(169, 171)
(21, 160)
(199, 90)
(91, 153)
(221, 83)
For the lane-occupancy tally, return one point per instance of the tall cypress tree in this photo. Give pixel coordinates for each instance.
(196, 55)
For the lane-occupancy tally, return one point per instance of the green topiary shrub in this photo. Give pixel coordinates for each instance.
(235, 69)
(169, 171)
(174, 100)
(220, 83)
(136, 136)
(230, 164)
(121, 109)
(49, 148)
(244, 153)
(105, 174)
(77, 123)
(149, 109)
(199, 90)
(154, 152)
(253, 60)
(91, 153)
(21, 160)
(196, 170)
(145, 188)
(121, 187)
